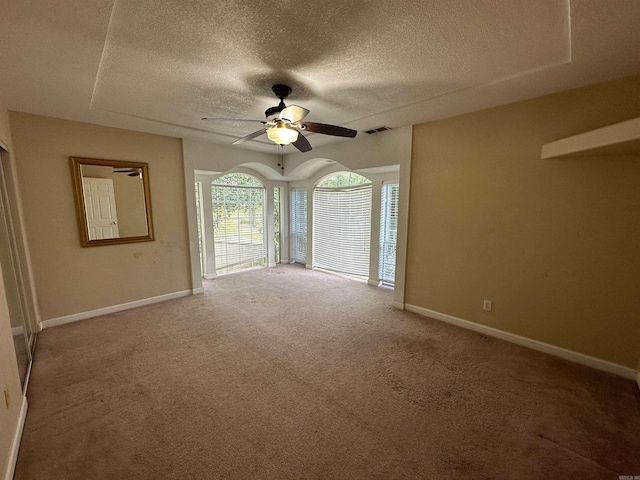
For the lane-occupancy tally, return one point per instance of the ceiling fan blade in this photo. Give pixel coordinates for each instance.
(234, 119)
(251, 136)
(328, 129)
(302, 143)
(293, 113)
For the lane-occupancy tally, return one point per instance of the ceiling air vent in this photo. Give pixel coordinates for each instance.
(378, 130)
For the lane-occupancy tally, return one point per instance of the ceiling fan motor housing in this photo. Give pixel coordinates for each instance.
(282, 92)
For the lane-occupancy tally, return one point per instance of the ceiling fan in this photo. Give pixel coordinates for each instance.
(131, 172)
(284, 124)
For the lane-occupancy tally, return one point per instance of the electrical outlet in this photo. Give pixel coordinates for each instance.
(487, 305)
(7, 398)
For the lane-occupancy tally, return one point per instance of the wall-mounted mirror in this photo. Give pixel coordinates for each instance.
(112, 201)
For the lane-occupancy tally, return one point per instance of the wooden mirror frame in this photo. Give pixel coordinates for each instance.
(81, 210)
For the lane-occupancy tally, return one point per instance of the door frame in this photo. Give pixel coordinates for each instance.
(13, 224)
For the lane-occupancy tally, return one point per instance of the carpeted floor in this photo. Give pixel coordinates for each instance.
(286, 373)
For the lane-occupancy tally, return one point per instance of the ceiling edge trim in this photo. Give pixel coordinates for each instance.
(102, 55)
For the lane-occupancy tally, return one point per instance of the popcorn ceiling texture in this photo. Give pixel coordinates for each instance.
(159, 66)
(289, 373)
(345, 60)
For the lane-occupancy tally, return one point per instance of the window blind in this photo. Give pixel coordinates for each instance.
(199, 222)
(238, 226)
(299, 225)
(342, 229)
(276, 223)
(388, 232)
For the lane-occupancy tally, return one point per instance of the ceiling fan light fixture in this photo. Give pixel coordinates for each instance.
(282, 134)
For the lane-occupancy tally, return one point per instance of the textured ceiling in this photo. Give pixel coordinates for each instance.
(160, 66)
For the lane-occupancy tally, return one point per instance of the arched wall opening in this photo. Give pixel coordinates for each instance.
(382, 158)
(382, 230)
(290, 218)
(295, 230)
(238, 217)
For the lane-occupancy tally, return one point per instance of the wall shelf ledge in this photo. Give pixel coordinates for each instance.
(618, 139)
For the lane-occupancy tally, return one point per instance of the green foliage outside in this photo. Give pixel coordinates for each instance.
(236, 208)
(344, 179)
(237, 179)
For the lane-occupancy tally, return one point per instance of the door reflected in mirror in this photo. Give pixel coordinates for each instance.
(112, 201)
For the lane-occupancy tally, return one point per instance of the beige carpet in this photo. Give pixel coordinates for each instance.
(287, 373)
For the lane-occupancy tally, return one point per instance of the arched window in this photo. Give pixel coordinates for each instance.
(237, 180)
(238, 202)
(343, 179)
(342, 224)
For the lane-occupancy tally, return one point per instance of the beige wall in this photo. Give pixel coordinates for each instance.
(68, 278)
(130, 205)
(553, 243)
(8, 367)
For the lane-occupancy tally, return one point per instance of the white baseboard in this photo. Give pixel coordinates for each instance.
(197, 291)
(54, 322)
(15, 331)
(570, 355)
(15, 445)
(375, 283)
(309, 266)
(27, 377)
(210, 276)
(398, 305)
(272, 264)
